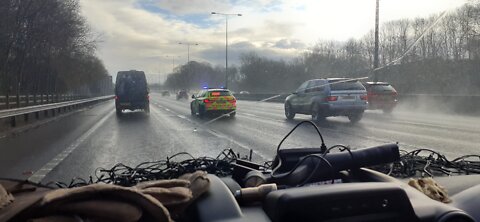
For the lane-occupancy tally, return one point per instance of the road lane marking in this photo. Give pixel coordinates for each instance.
(220, 135)
(217, 118)
(40, 174)
(269, 98)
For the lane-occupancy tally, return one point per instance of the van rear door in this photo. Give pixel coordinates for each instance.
(131, 88)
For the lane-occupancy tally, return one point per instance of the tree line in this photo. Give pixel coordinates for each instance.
(46, 47)
(445, 60)
(195, 75)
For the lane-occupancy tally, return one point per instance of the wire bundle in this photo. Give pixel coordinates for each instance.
(124, 175)
(427, 162)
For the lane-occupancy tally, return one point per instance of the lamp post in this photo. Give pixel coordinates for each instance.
(188, 44)
(375, 55)
(173, 61)
(226, 41)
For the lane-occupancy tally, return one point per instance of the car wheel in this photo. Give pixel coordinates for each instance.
(317, 115)
(191, 110)
(355, 117)
(232, 115)
(201, 112)
(289, 113)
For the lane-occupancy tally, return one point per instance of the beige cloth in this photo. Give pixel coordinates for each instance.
(6, 198)
(431, 188)
(153, 201)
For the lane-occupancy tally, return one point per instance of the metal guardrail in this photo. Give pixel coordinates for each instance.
(267, 97)
(53, 108)
(10, 102)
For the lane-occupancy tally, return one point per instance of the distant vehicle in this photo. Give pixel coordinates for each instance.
(182, 94)
(131, 91)
(328, 97)
(165, 93)
(381, 95)
(213, 101)
(244, 92)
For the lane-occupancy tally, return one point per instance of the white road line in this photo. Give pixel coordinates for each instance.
(38, 176)
(269, 98)
(217, 118)
(349, 133)
(221, 135)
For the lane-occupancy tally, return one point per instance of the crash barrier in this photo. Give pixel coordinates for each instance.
(461, 104)
(12, 101)
(268, 97)
(13, 117)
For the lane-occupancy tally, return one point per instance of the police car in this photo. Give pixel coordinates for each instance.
(213, 101)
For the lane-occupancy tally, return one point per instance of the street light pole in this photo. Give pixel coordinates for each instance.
(375, 55)
(173, 61)
(226, 42)
(188, 49)
(188, 54)
(226, 52)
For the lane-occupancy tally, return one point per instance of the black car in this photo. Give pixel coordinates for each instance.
(131, 91)
(182, 94)
(165, 93)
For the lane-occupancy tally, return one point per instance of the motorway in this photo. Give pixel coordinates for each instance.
(76, 144)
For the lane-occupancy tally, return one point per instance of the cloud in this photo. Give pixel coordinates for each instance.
(185, 7)
(216, 55)
(290, 44)
(138, 34)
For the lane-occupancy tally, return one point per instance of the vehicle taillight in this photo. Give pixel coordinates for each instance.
(394, 94)
(332, 98)
(148, 97)
(116, 97)
(363, 97)
(207, 101)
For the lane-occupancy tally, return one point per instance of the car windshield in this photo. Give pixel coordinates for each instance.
(339, 85)
(71, 103)
(382, 88)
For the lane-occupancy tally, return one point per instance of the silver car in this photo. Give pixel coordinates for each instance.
(328, 97)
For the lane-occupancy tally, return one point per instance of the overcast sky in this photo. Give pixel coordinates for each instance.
(139, 34)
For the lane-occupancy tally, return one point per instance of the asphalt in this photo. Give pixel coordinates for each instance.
(77, 144)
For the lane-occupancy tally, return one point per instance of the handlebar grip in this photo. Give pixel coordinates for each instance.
(376, 155)
(383, 154)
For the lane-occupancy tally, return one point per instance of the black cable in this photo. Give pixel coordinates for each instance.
(432, 163)
(299, 163)
(323, 147)
(338, 146)
(322, 158)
